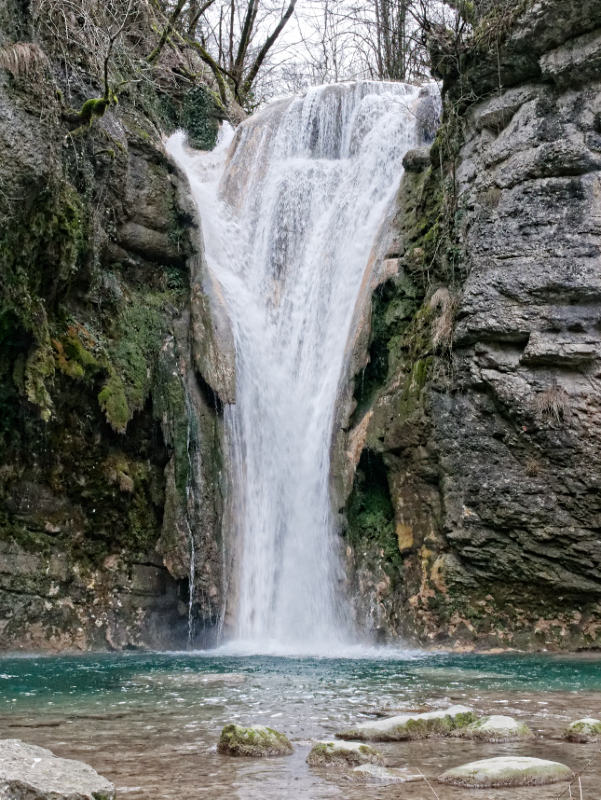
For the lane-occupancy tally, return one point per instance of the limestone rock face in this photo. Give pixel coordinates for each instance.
(108, 417)
(507, 771)
(256, 741)
(584, 730)
(411, 726)
(473, 518)
(28, 771)
(342, 754)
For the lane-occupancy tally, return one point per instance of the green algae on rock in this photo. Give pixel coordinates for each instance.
(506, 771)
(495, 728)
(584, 730)
(342, 754)
(256, 741)
(412, 726)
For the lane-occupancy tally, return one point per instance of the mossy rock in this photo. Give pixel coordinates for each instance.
(506, 771)
(495, 729)
(412, 726)
(255, 741)
(343, 754)
(584, 730)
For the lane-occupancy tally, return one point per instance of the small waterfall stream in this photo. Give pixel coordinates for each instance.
(291, 215)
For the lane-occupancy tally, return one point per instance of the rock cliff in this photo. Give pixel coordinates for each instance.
(109, 407)
(475, 509)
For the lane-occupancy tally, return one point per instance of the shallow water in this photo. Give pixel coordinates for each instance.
(150, 722)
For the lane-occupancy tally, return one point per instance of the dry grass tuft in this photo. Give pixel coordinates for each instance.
(443, 302)
(553, 404)
(23, 59)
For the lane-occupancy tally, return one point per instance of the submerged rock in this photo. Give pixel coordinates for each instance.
(377, 774)
(411, 726)
(584, 730)
(28, 771)
(496, 728)
(503, 771)
(342, 754)
(255, 741)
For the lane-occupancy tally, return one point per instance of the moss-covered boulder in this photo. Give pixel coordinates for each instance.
(412, 726)
(584, 730)
(507, 771)
(255, 741)
(495, 729)
(342, 754)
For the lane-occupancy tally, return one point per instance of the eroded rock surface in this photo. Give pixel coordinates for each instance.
(27, 771)
(411, 726)
(506, 771)
(474, 442)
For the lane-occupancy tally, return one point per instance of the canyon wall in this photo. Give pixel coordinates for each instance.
(468, 474)
(110, 385)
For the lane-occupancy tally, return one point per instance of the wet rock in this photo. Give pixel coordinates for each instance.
(417, 160)
(343, 754)
(373, 773)
(411, 726)
(507, 771)
(28, 771)
(584, 730)
(496, 729)
(256, 741)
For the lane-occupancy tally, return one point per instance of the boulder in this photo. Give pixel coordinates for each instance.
(256, 741)
(28, 771)
(496, 729)
(584, 730)
(417, 160)
(492, 773)
(411, 726)
(373, 773)
(342, 754)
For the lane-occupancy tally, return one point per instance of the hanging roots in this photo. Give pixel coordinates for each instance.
(23, 59)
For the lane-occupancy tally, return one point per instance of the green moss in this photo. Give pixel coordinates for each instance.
(199, 117)
(256, 741)
(132, 357)
(113, 402)
(370, 513)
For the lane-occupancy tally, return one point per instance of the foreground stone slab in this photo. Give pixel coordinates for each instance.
(411, 726)
(374, 773)
(494, 773)
(28, 771)
(496, 728)
(342, 754)
(584, 730)
(256, 741)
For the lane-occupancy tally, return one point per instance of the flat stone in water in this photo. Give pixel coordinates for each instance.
(256, 741)
(508, 771)
(584, 730)
(411, 726)
(374, 773)
(30, 771)
(495, 728)
(342, 754)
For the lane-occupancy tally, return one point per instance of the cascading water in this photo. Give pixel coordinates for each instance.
(290, 221)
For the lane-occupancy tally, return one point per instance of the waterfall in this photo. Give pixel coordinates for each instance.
(291, 215)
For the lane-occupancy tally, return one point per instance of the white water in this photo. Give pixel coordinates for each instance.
(290, 219)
